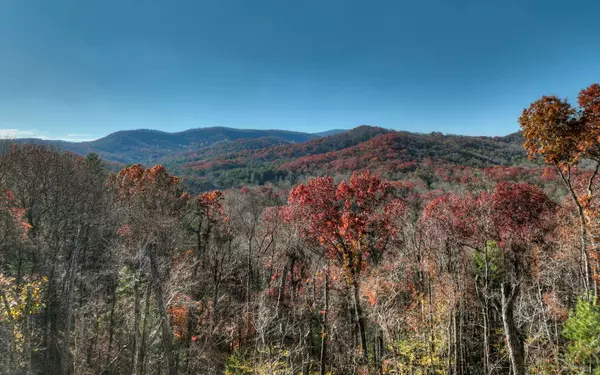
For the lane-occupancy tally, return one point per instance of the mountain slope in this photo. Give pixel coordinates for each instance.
(246, 158)
(385, 151)
(331, 132)
(398, 150)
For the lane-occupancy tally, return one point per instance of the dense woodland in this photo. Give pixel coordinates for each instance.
(391, 154)
(396, 261)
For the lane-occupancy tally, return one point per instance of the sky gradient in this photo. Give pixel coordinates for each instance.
(78, 70)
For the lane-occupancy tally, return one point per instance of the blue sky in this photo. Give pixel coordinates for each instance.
(74, 69)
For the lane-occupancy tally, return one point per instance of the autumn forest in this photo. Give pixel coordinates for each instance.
(365, 252)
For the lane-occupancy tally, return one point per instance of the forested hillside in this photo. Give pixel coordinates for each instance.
(222, 158)
(377, 252)
(392, 154)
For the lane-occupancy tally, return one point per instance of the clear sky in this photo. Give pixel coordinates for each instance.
(80, 69)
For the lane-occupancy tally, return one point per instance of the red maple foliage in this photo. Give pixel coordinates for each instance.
(513, 213)
(350, 221)
(519, 211)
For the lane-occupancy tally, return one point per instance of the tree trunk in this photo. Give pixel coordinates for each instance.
(516, 351)
(430, 366)
(136, 323)
(199, 261)
(324, 330)
(71, 275)
(281, 292)
(248, 284)
(486, 314)
(381, 351)
(111, 326)
(360, 320)
(486, 338)
(456, 341)
(584, 254)
(141, 355)
(191, 319)
(586, 271)
(167, 332)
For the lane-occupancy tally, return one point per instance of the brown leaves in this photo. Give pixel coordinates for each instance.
(152, 189)
(589, 101)
(555, 307)
(562, 133)
(552, 129)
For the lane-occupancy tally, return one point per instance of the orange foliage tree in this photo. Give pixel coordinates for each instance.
(564, 135)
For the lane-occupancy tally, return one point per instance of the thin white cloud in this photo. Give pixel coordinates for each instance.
(18, 133)
(21, 133)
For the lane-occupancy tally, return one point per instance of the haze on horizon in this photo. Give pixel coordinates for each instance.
(79, 70)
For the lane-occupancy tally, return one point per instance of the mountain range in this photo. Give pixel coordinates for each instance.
(149, 146)
(220, 157)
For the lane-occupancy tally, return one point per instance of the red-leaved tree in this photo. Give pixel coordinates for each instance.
(350, 222)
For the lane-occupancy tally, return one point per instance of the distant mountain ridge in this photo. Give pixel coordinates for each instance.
(331, 132)
(148, 146)
(220, 158)
(319, 145)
